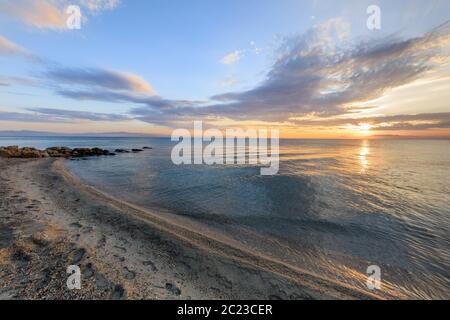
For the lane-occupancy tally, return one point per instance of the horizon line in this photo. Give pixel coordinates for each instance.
(119, 134)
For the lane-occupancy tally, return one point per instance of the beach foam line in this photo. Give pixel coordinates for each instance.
(220, 245)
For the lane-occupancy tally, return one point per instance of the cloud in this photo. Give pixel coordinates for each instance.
(231, 58)
(25, 117)
(7, 47)
(40, 14)
(237, 55)
(88, 77)
(323, 73)
(94, 77)
(12, 80)
(50, 14)
(49, 115)
(422, 121)
(320, 73)
(228, 82)
(81, 115)
(151, 103)
(254, 48)
(99, 5)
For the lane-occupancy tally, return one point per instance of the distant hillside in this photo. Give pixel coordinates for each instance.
(28, 133)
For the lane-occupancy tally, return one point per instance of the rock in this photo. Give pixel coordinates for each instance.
(88, 271)
(20, 256)
(137, 150)
(86, 152)
(130, 275)
(14, 149)
(82, 152)
(99, 152)
(147, 148)
(59, 152)
(54, 152)
(4, 153)
(121, 151)
(26, 153)
(118, 292)
(10, 152)
(173, 289)
(30, 153)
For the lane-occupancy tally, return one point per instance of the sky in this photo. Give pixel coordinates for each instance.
(310, 68)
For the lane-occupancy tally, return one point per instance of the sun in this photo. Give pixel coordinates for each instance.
(365, 127)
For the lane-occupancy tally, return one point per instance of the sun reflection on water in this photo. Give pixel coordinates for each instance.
(363, 153)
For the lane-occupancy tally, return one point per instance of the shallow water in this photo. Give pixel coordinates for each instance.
(335, 208)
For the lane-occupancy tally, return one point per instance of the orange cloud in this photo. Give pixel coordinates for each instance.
(8, 47)
(50, 14)
(38, 14)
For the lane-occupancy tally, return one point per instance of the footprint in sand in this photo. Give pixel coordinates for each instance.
(77, 255)
(122, 249)
(75, 225)
(119, 258)
(101, 243)
(130, 275)
(86, 230)
(151, 265)
(39, 241)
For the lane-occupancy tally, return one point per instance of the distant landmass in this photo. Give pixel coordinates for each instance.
(393, 137)
(28, 133)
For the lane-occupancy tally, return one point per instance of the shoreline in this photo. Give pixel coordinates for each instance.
(50, 220)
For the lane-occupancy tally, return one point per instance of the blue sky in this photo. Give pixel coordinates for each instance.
(179, 48)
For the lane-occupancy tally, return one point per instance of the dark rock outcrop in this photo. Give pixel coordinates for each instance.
(59, 152)
(54, 152)
(9, 152)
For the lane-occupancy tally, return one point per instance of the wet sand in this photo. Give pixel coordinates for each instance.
(50, 220)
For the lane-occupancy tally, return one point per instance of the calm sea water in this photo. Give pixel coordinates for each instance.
(335, 208)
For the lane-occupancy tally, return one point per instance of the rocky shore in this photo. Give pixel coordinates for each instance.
(54, 152)
(60, 152)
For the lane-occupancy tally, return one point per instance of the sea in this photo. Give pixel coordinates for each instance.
(336, 208)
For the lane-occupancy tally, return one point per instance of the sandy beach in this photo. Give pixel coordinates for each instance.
(50, 220)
